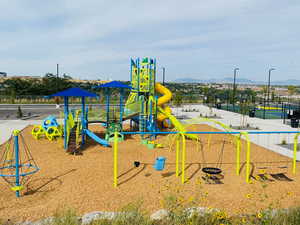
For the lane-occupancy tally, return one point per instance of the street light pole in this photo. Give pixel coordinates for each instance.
(57, 89)
(164, 70)
(234, 87)
(57, 74)
(268, 99)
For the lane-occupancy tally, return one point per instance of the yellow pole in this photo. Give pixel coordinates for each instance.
(295, 153)
(248, 159)
(238, 154)
(116, 159)
(177, 155)
(208, 140)
(183, 159)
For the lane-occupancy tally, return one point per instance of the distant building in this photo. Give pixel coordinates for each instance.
(26, 77)
(3, 74)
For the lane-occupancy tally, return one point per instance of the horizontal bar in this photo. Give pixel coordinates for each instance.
(215, 132)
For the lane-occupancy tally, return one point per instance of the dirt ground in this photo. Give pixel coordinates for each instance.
(85, 182)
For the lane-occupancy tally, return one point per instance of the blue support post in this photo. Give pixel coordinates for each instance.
(107, 105)
(142, 116)
(83, 121)
(16, 145)
(66, 111)
(86, 117)
(154, 76)
(131, 62)
(121, 108)
(138, 73)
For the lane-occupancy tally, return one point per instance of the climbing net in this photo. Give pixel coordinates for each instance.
(16, 162)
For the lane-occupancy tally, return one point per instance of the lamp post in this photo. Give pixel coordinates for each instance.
(163, 70)
(57, 89)
(234, 87)
(268, 99)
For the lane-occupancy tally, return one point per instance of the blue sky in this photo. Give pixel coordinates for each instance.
(94, 39)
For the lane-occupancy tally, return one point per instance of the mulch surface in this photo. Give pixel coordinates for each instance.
(85, 182)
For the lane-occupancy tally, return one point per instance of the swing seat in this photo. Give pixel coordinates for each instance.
(282, 167)
(211, 170)
(17, 188)
(262, 167)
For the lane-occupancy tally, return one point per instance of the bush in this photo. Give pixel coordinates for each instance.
(65, 217)
(283, 142)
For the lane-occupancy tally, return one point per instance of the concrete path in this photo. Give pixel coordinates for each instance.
(7, 127)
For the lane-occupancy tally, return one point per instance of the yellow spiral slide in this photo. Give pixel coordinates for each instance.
(165, 112)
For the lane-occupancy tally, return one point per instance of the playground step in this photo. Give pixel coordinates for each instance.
(72, 146)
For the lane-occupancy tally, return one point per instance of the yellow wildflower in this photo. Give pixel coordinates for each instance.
(262, 171)
(161, 203)
(248, 196)
(259, 215)
(191, 199)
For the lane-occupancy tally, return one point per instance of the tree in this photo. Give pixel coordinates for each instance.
(291, 91)
(244, 110)
(178, 100)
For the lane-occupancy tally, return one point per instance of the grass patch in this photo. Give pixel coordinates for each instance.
(133, 215)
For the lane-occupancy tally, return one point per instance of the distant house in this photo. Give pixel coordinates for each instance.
(26, 77)
(3, 74)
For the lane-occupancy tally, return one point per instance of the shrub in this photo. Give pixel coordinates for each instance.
(283, 142)
(65, 216)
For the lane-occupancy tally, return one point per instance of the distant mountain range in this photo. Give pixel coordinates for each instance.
(238, 80)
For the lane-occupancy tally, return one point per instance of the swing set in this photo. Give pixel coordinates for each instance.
(210, 172)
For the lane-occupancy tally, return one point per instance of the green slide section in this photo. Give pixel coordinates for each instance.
(177, 124)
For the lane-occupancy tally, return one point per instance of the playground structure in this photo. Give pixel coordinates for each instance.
(147, 112)
(17, 163)
(144, 108)
(50, 129)
(191, 151)
(76, 130)
(154, 113)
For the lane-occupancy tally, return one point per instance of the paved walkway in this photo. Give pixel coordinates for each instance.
(7, 127)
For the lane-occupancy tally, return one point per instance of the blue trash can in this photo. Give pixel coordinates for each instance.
(159, 163)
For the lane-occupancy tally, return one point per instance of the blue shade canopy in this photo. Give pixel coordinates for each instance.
(113, 84)
(74, 92)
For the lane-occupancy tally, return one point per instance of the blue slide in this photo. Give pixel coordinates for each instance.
(96, 138)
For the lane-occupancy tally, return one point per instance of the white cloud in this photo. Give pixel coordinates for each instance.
(98, 37)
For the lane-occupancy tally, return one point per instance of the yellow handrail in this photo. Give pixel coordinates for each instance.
(115, 159)
(295, 153)
(177, 156)
(183, 155)
(238, 155)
